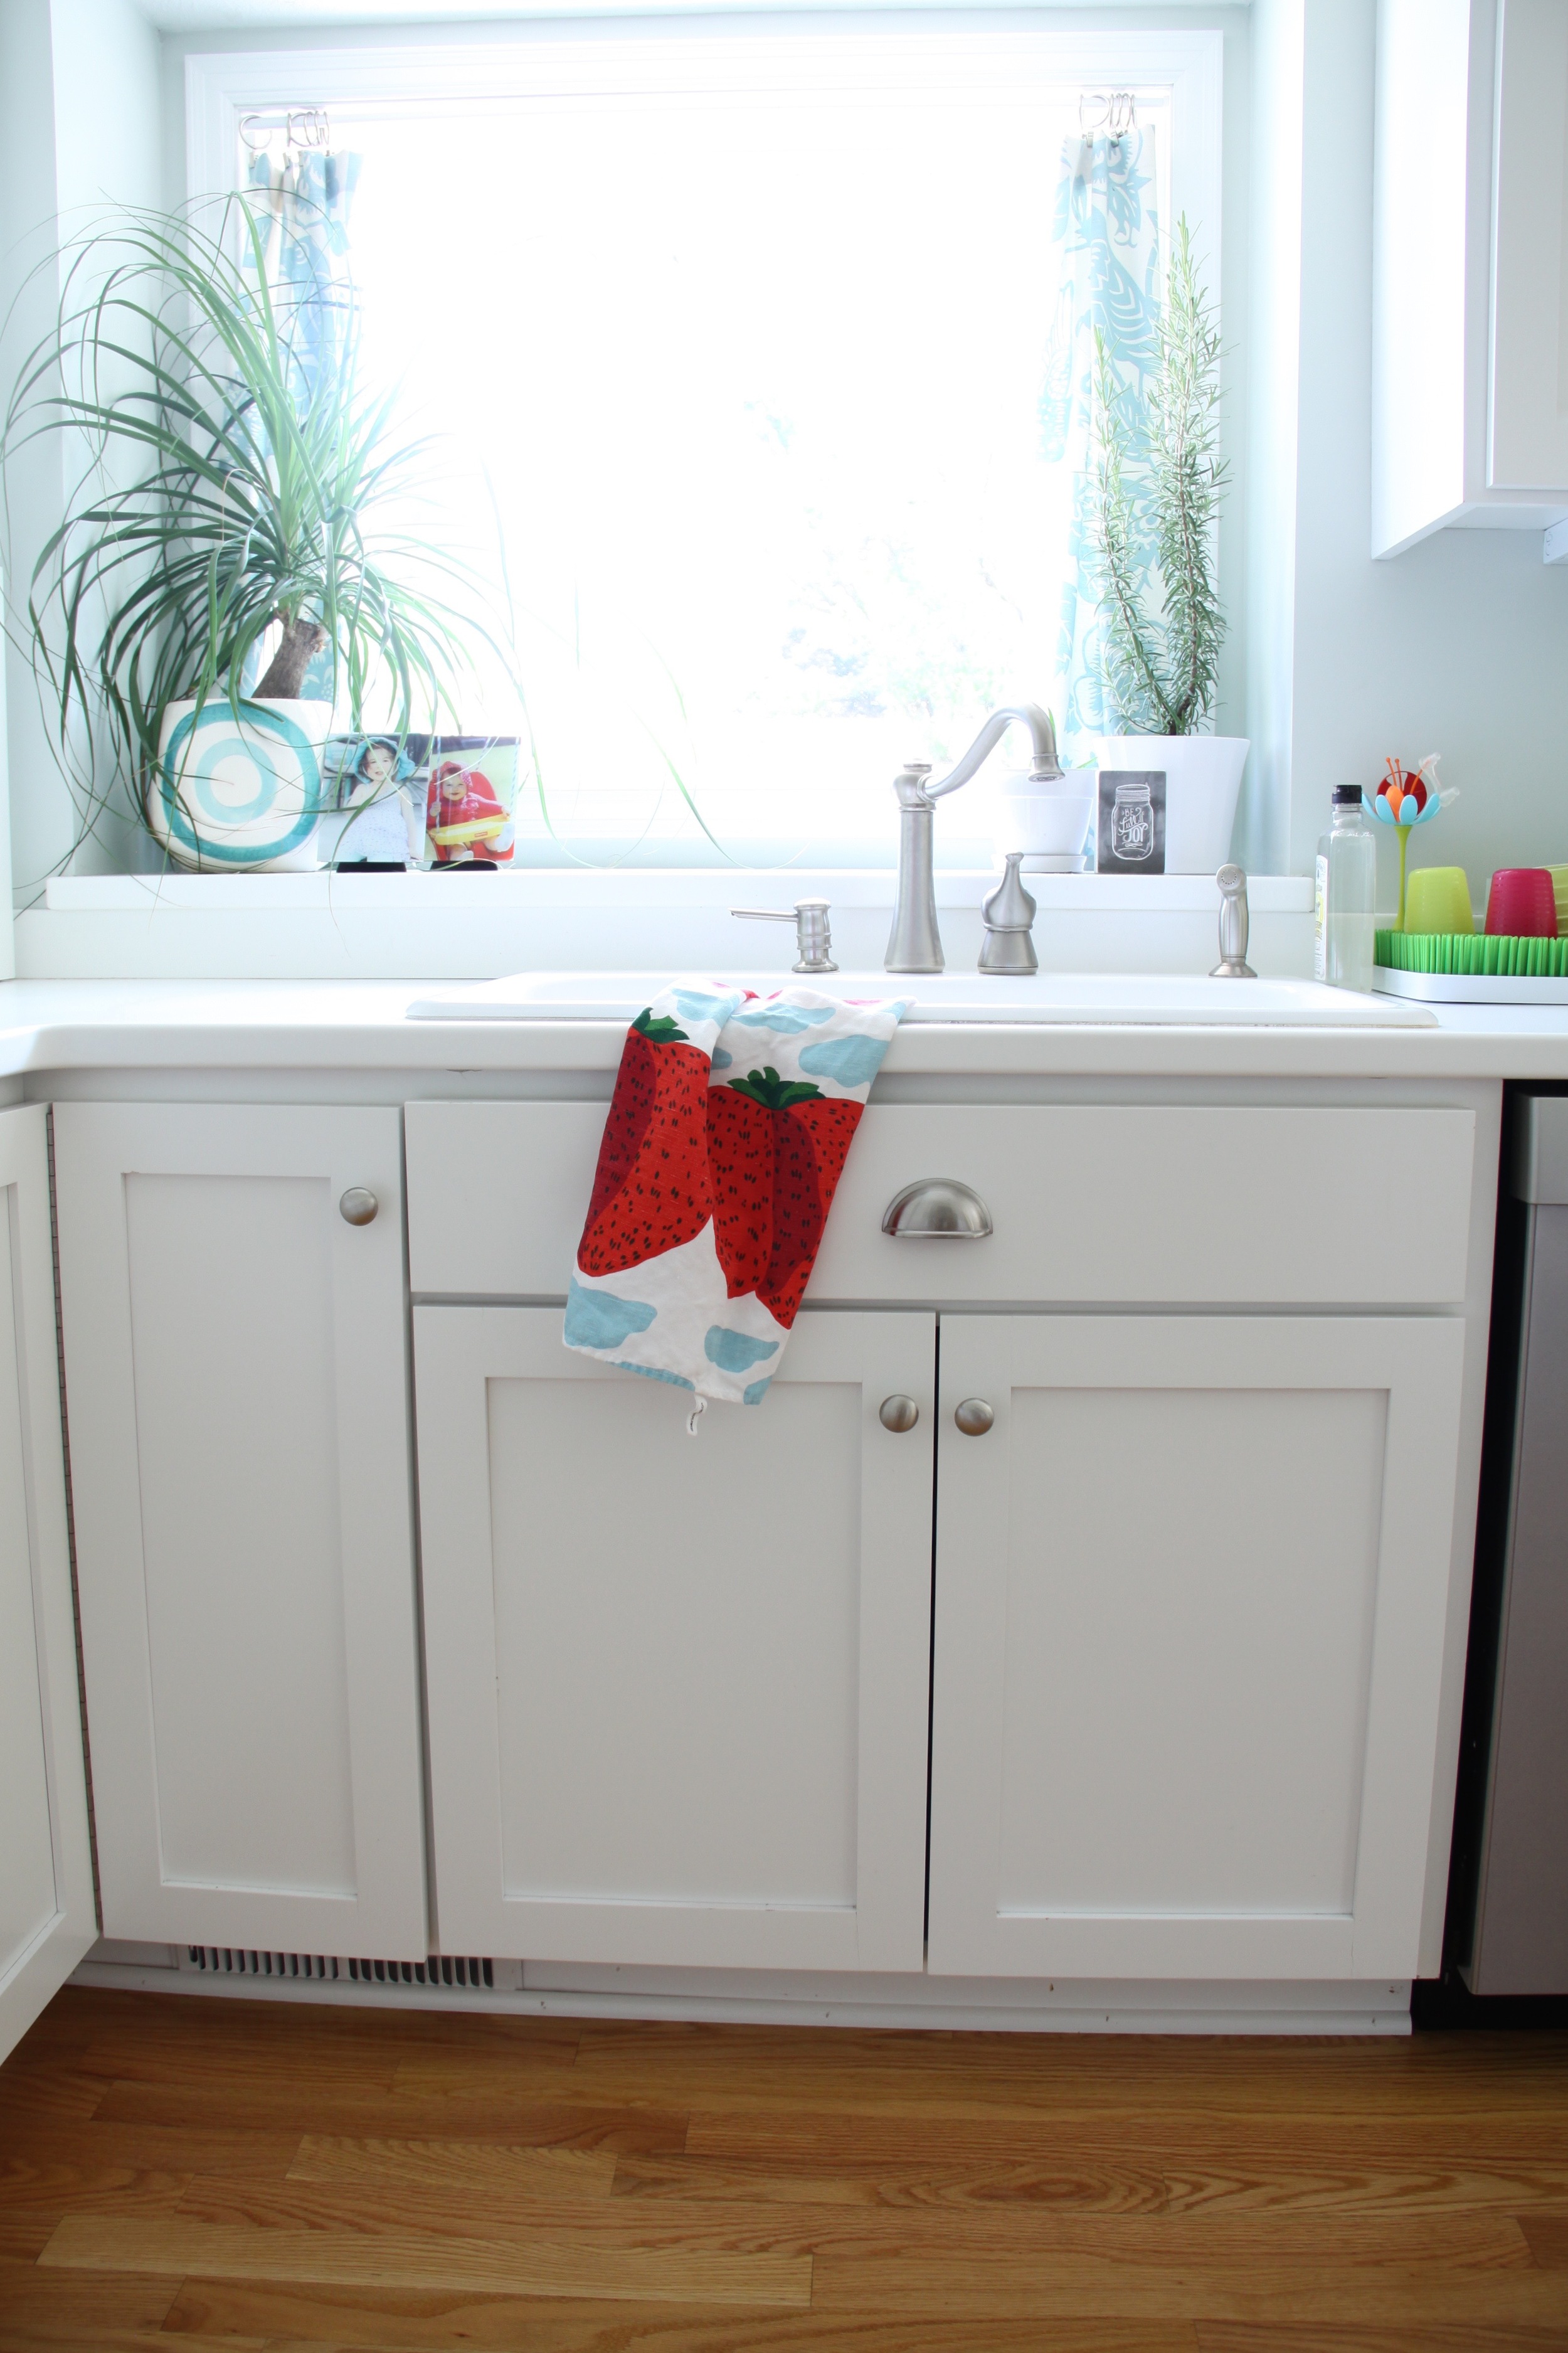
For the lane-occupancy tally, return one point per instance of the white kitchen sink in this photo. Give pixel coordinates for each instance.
(1178, 999)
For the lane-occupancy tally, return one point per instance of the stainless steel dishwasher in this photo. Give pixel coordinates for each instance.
(1512, 1827)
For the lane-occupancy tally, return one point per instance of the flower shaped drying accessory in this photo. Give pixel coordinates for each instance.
(1405, 799)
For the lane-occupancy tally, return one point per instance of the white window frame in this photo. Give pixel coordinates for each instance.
(653, 59)
(670, 56)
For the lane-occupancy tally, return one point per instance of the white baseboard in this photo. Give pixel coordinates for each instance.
(768, 1997)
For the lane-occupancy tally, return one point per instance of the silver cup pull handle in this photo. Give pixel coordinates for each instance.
(358, 1206)
(937, 1208)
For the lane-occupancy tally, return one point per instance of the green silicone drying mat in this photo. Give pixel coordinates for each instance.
(1473, 954)
(1471, 969)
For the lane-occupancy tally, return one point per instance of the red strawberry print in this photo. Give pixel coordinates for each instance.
(651, 1190)
(741, 1168)
(778, 1148)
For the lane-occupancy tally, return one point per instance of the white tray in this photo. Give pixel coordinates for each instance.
(1469, 987)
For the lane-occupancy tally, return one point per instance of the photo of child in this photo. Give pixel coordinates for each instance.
(463, 817)
(468, 785)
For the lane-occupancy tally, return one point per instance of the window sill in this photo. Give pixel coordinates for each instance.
(443, 926)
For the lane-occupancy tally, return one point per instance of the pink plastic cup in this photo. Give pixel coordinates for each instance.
(1522, 904)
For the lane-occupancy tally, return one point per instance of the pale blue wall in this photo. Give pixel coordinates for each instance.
(1461, 645)
(80, 126)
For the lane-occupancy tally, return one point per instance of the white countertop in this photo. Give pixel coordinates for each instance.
(74, 1025)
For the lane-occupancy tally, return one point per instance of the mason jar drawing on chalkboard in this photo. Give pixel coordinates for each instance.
(1132, 831)
(1132, 820)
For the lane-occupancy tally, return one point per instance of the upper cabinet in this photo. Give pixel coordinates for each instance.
(1470, 271)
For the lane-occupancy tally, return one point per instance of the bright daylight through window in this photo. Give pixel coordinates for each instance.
(753, 368)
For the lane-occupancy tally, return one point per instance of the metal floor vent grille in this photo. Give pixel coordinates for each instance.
(455, 1971)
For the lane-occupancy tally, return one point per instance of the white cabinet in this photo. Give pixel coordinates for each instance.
(1191, 1595)
(45, 1863)
(678, 1688)
(237, 1397)
(1471, 269)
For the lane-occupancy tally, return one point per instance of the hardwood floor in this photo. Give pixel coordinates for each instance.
(267, 2177)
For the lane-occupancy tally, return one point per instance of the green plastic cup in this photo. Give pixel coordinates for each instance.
(1437, 899)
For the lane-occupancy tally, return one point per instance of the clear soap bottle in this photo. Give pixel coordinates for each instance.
(1346, 897)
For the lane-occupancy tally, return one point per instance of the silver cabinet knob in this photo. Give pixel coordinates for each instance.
(358, 1206)
(897, 1413)
(973, 1417)
(937, 1208)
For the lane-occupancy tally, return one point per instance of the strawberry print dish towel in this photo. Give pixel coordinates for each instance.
(731, 1120)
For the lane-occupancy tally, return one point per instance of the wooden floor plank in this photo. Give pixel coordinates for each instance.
(1099, 2173)
(97, 2146)
(1479, 2335)
(516, 2267)
(479, 2110)
(1258, 2292)
(1022, 2074)
(82, 2308)
(53, 2335)
(1446, 2240)
(481, 2170)
(373, 2321)
(1362, 2139)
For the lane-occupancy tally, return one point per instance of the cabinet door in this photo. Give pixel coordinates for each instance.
(1529, 251)
(237, 1397)
(45, 1864)
(1191, 1595)
(678, 1688)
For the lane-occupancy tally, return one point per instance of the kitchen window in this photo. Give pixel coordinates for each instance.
(743, 336)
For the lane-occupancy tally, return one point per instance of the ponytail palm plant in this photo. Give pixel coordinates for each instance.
(238, 494)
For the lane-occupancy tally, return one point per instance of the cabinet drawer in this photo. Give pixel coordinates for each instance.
(1093, 1204)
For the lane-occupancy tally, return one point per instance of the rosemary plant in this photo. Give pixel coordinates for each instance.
(1158, 483)
(224, 490)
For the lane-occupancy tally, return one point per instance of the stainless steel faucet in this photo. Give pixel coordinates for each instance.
(915, 944)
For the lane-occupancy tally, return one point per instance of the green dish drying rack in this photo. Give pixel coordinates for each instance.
(1471, 967)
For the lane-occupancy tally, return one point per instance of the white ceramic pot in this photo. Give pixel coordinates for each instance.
(1047, 820)
(232, 796)
(1203, 782)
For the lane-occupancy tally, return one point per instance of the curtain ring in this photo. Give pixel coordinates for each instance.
(253, 146)
(315, 129)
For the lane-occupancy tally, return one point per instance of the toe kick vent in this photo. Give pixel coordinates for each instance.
(453, 1972)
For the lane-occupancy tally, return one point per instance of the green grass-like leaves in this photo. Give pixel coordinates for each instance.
(222, 486)
(1162, 484)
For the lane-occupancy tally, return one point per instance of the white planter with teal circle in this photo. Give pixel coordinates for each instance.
(233, 795)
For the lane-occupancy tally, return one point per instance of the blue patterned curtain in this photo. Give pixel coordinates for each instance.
(1106, 233)
(301, 204)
